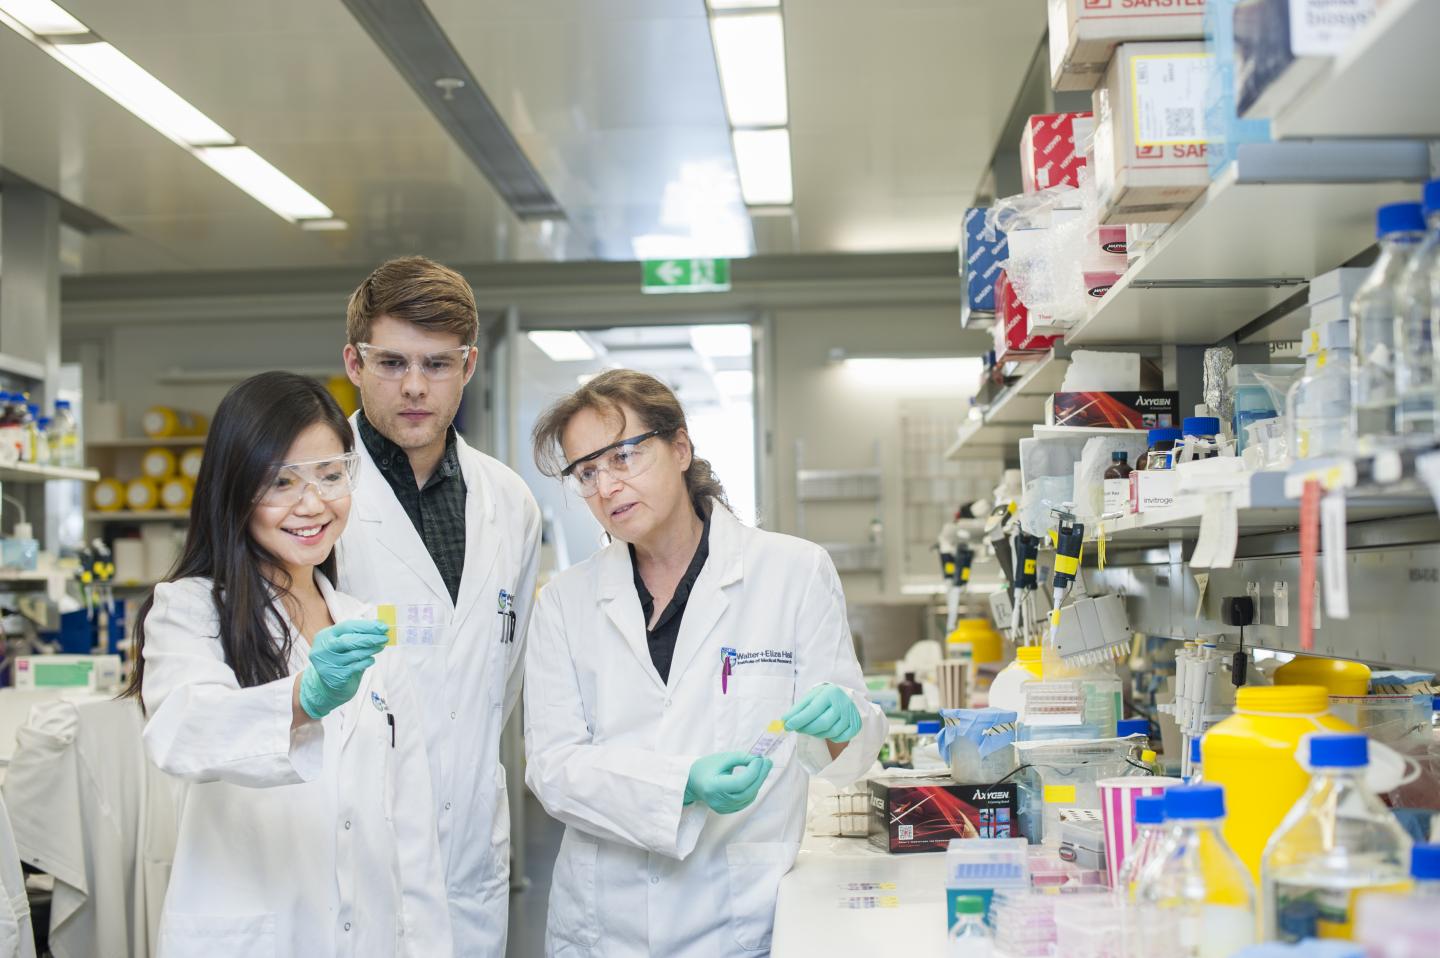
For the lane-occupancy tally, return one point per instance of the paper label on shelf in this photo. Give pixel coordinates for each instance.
(1324, 28)
(1219, 533)
(1202, 580)
(1169, 98)
(1281, 593)
(1336, 588)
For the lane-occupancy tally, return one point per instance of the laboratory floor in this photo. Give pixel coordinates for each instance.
(527, 907)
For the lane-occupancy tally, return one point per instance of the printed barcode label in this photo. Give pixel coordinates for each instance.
(1169, 98)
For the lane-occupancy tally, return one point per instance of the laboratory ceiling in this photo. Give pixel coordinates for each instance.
(895, 108)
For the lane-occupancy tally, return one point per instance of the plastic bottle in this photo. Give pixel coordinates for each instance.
(1425, 872)
(1252, 754)
(1117, 482)
(10, 431)
(28, 414)
(1194, 899)
(1194, 776)
(969, 938)
(42, 441)
(1006, 691)
(1160, 455)
(1416, 378)
(1150, 834)
(1318, 407)
(1399, 227)
(1199, 439)
(64, 439)
(908, 689)
(1338, 843)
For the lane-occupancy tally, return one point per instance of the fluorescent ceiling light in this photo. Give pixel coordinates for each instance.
(721, 342)
(131, 86)
(763, 159)
(743, 4)
(735, 382)
(562, 345)
(42, 17)
(323, 226)
(256, 176)
(750, 54)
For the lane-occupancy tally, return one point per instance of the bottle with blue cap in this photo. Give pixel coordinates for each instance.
(1150, 834)
(1425, 871)
(1192, 770)
(1195, 898)
(1200, 439)
(1416, 373)
(1374, 312)
(1338, 844)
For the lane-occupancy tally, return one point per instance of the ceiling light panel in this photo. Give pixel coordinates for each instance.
(750, 55)
(132, 86)
(255, 175)
(726, 341)
(562, 345)
(763, 160)
(721, 6)
(42, 17)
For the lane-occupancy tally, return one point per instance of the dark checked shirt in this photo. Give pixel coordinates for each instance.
(662, 638)
(438, 510)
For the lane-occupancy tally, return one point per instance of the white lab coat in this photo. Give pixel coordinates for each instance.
(319, 841)
(472, 680)
(609, 746)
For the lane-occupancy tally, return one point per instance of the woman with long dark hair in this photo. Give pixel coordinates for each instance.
(309, 828)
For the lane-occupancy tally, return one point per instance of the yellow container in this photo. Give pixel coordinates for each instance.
(108, 495)
(1336, 675)
(159, 463)
(980, 635)
(142, 494)
(1029, 657)
(190, 463)
(176, 494)
(162, 421)
(344, 393)
(1252, 754)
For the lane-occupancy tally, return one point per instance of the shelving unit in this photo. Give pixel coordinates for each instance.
(142, 442)
(30, 472)
(148, 515)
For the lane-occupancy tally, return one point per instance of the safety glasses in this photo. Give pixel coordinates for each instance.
(436, 367)
(622, 460)
(332, 478)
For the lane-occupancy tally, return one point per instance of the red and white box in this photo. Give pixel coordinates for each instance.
(1051, 149)
(1151, 158)
(1084, 33)
(1012, 325)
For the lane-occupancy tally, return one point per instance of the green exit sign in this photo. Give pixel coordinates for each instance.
(685, 275)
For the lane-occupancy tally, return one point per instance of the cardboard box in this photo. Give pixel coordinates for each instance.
(924, 814)
(1283, 46)
(1098, 282)
(1153, 489)
(1013, 338)
(1150, 142)
(980, 261)
(1107, 248)
(1084, 33)
(1114, 410)
(1052, 149)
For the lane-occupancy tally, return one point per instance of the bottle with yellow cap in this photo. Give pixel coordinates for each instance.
(1338, 676)
(985, 643)
(1007, 691)
(1252, 754)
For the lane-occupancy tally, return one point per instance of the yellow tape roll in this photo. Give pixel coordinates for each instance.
(108, 495)
(190, 463)
(176, 494)
(142, 494)
(159, 463)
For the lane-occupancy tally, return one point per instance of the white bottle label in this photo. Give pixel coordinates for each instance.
(1117, 495)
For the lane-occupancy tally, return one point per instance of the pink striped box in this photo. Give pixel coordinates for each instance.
(1117, 811)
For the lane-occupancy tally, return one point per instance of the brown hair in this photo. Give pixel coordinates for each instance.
(416, 290)
(652, 401)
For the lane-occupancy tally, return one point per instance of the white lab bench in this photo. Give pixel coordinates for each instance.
(813, 917)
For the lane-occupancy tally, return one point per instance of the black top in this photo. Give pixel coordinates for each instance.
(438, 510)
(661, 639)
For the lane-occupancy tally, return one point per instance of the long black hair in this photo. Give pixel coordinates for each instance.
(254, 427)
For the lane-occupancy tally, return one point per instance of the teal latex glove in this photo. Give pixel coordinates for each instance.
(339, 655)
(727, 781)
(825, 712)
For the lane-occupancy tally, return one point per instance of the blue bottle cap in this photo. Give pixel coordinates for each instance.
(927, 728)
(1194, 802)
(1126, 727)
(1339, 751)
(1201, 426)
(1425, 862)
(1194, 751)
(1430, 198)
(1399, 218)
(1165, 434)
(62, 404)
(1150, 810)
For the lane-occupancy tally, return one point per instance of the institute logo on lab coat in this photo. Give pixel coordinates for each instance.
(727, 666)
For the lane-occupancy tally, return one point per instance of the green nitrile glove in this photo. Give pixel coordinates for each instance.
(727, 781)
(338, 657)
(825, 712)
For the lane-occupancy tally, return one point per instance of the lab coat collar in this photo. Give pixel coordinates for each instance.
(724, 567)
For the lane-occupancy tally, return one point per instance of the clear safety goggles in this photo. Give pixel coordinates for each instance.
(388, 364)
(622, 460)
(332, 478)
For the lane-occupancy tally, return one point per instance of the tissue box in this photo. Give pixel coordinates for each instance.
(1113, 410)
(915, 814)
(1084, 33)
(1012, 325)
(1283, 46)
(1049, 152)
(981, 260)
(1150, 154)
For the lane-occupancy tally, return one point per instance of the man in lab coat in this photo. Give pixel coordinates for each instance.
(452, 538)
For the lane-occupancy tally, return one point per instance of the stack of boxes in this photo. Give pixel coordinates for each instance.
(1283, 46)
(981, 259)
(1328, 337)
(1084, 33)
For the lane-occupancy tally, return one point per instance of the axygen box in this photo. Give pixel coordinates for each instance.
(924, 814)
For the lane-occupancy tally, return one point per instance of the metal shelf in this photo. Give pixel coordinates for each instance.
(144, 443)
(142, 515)
(1380, 86)
(30, 472)
(1237, 252)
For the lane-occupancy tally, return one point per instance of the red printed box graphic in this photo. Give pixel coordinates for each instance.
(1051, 150)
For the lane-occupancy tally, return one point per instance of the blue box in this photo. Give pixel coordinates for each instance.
(981, 261)
(1225, 129)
